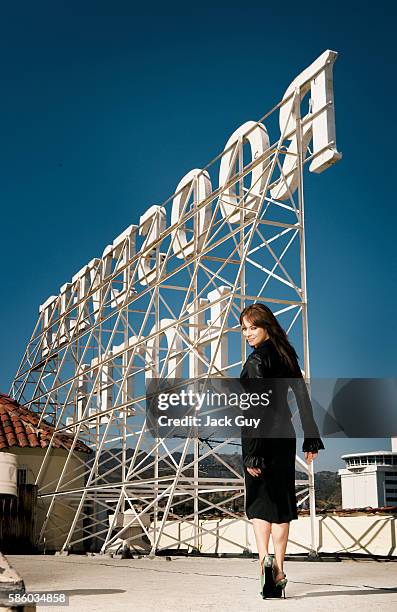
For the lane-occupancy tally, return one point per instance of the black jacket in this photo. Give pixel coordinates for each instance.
(265, 362)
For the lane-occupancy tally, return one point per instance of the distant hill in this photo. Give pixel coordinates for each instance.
(327, 489)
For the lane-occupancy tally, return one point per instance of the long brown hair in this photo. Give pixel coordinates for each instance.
(260, 315)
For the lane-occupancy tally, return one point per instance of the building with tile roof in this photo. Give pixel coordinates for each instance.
(23, 436)
(19, 427)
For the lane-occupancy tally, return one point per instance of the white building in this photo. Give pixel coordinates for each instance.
(370, 479)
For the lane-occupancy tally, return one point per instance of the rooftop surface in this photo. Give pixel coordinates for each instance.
(182, 584)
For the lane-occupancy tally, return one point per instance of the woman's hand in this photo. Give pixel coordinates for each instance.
(254, 471)
(310, 457)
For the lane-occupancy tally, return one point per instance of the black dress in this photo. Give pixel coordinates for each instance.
(271, 495)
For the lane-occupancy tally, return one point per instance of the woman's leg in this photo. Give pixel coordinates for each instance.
(280, 538)
(262, 535)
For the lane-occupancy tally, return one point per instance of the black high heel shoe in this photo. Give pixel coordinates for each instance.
(269, 589)
(280, 584)
(265, 565)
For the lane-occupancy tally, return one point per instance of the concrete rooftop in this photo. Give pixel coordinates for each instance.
(102, 583)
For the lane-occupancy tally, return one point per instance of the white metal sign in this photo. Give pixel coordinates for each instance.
(163, 300)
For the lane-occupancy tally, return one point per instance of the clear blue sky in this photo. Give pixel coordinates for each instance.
(104, 107)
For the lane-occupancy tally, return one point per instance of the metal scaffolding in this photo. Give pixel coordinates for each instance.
(164, 301)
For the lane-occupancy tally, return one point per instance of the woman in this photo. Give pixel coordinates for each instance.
(269, 462)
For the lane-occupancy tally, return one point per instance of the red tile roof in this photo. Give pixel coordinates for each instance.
(19, 427)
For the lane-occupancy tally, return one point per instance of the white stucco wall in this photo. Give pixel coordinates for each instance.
(362, 533)
(63, 511)
(359, 489)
